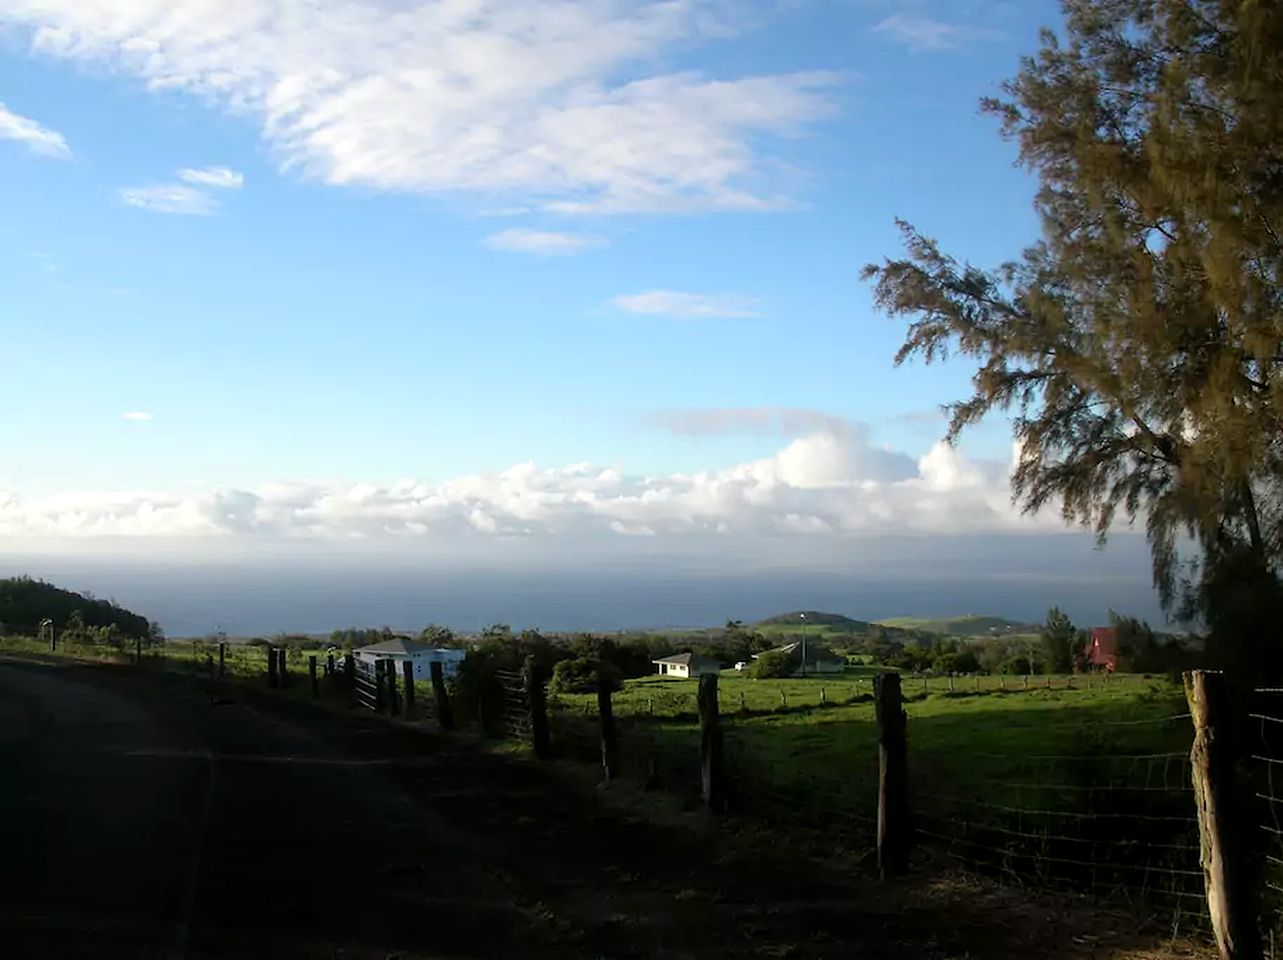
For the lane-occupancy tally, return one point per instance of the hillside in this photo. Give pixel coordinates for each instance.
(813, 618)
(970, 625)
(25, 602)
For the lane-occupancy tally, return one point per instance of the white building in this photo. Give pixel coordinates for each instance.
(401, 649)
(686, 665)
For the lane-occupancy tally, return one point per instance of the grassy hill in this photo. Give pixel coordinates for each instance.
(813, 618)
(834, 627)
(971, 625)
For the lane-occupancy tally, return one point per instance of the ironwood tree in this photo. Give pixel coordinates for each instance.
(1137, 344)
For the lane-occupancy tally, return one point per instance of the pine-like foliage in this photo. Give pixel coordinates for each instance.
(1138, 345)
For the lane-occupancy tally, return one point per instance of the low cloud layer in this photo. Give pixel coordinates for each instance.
(829, 484)
(578, 103)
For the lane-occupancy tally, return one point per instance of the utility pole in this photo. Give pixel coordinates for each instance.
(802, 616)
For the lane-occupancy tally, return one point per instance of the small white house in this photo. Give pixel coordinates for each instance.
(686, 665)
(401, 649)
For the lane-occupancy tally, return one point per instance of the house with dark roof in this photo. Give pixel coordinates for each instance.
(1101, 652)
(403, 649)
(686, 665)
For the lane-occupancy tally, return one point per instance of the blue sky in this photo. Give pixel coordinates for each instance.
(414, 271)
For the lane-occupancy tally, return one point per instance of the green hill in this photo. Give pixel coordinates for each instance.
(814, 618)
(971, 625)
(25, 602)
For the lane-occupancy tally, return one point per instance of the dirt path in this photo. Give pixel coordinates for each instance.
(140, 820)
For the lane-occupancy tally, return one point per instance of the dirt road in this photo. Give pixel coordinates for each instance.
(138, 819)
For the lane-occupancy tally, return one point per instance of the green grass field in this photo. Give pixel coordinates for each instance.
(969, 625)
(1077, 784)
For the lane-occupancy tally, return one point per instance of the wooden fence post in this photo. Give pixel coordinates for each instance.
(1228, 867)
(893, 776)
(535, 674)
(609, 741)
(712, 772)
(138, 649)
(1025, 681)
(976, 677)
(311, 673)
(349, 672)
(380, 686)
(444, 716)
(950, 684)
(329, 665)
(271, 667)
(222, 659)
(281, 666)
(389, 674)
(407, 673)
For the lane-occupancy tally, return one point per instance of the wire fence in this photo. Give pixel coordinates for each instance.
(1103, 807)
(1265, 748)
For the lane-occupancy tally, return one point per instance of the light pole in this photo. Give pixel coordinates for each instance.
(802, 617)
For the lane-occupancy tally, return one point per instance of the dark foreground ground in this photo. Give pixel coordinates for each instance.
(138, 819)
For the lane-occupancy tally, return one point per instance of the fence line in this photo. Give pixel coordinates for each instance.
(1266, 756)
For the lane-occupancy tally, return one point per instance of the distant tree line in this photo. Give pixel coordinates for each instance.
(26, 602)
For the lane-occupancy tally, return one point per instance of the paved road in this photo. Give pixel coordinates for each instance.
(140, 826)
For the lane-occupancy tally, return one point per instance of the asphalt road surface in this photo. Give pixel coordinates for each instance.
(133, 825)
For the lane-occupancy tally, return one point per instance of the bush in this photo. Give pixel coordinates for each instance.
(774, 664)
(584, 675)
(1014, 666)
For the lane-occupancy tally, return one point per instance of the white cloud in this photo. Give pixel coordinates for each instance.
(220, 178)
(542, 242)
(38, 139)
(561, 102)
(687, 306)
(136, 415)
(925, 35)
(827, 484)
(170, 198)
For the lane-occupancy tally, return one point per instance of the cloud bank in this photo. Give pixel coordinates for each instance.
(38, 139)
(570, 101)
(828, 485)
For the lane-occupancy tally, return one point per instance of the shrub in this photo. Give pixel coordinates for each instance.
(584, 675)
(773, 664)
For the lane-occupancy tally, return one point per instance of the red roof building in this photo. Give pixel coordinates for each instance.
(1102, 649)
